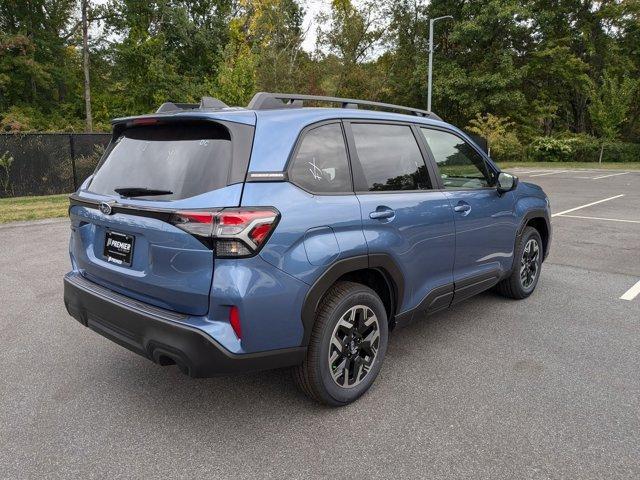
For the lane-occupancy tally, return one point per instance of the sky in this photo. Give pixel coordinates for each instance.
(312, 8)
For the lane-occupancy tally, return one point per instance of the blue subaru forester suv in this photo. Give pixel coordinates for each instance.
(225, 240)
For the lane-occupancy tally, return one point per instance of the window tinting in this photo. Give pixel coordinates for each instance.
(320, 164)
(389, 157)
(187, 160)
(459, 165)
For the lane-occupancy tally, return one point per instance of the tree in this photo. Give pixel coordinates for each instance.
(274, 34)
(348, 34)
(39, 74)
(236, 80)
(610, 105)
(499, 134)
(85, 65)
(481, 58)
(405, 61)
(169, 50)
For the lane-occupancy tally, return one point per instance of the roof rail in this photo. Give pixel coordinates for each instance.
(206, 103)
(271, 101)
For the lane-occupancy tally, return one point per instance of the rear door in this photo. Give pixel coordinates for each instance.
(121, 235)
(402, 215)
(484, 219)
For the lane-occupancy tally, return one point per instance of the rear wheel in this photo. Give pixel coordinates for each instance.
(526, 268)
(347, 345)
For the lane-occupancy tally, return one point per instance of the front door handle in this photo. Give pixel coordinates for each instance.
(381, 213)
(462, 207)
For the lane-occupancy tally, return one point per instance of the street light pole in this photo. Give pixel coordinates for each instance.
(430, 82)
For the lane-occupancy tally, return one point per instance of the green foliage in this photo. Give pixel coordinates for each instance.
(274, 32)
(502, 142)
(581, 148)
(236, 79)
(559, 76)
(610, 104)
(38, 69)
(348, 36)
(552, 149)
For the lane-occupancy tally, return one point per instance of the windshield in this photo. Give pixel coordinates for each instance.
(183, 159)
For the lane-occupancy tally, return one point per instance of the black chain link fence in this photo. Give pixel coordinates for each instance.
(47, 163)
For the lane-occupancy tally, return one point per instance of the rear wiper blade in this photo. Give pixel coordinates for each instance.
(140, 191)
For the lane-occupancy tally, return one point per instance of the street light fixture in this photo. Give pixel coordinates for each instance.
(431, 22)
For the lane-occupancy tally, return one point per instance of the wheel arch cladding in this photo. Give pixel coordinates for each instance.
(540, 224)
(379, 272)
(537, 218)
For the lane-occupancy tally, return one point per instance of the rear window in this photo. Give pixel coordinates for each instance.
(187, 160)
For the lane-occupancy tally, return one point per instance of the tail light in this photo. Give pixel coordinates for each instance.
(236, 232)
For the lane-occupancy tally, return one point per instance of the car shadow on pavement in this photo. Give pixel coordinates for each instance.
(144, 386)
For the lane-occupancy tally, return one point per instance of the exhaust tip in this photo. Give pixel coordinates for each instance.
(164, 358)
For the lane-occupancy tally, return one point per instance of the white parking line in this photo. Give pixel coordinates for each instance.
(610, 175)
(587, 205)
(632, 292)
(549, 173)
(601, 218)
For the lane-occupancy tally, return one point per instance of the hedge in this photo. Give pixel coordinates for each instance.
(580, 149)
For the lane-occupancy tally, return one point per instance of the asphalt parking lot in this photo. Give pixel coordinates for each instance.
(548, 387)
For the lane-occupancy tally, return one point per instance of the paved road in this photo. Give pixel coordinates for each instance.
(544, 388)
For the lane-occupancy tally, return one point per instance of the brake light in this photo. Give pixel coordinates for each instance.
(236, 232)
(145, 121)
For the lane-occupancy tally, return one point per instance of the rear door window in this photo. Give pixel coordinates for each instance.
(389, 158)
(187, 160)
(320, 164)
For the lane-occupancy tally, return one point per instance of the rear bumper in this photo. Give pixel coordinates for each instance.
(161, 335)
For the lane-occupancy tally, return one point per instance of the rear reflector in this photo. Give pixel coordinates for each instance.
(236, 232)
(234, 320)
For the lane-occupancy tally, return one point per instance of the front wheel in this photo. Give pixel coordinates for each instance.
(347, 345)
(526, 267)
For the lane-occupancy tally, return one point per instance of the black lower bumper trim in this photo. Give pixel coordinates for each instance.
(157, 334)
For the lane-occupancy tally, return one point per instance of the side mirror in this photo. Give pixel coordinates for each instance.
(506, 182)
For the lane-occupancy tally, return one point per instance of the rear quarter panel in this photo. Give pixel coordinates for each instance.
(314, 230)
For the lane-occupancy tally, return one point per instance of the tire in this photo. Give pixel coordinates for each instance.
(351, 328)
(516, 285)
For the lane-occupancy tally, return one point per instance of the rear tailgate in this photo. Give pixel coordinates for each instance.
(125, 241)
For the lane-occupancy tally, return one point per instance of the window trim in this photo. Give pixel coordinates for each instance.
(432, 159)
(298, 144)
(356, 164)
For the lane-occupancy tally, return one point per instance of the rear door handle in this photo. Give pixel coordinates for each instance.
(462, 207)
(382, 213)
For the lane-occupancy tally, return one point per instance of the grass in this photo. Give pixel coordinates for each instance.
(33, 208)
(572, 165)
